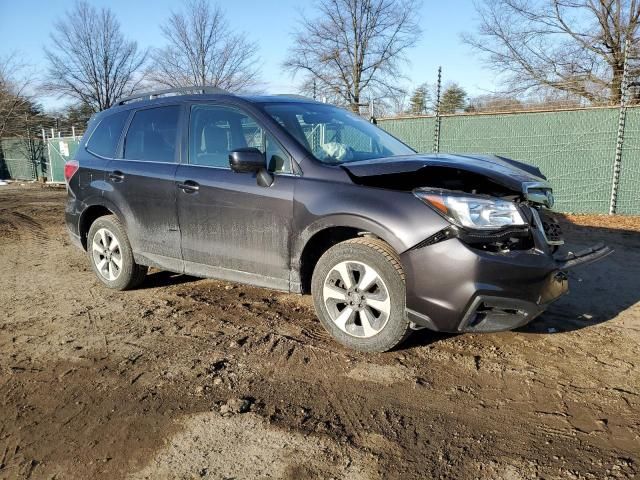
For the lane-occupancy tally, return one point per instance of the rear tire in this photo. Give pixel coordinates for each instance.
(359, 295)
(111, 256)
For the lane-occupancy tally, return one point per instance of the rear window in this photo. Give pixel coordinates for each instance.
(104, 139)
(152, 135)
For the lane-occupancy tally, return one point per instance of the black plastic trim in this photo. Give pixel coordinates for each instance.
(583, 257)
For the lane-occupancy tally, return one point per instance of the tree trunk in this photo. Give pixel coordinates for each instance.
(355, 104)
(616, 85)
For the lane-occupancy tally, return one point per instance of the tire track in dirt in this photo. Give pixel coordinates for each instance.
(349, 414)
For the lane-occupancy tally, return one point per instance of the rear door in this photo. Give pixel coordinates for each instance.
(231, 227)
(101, 147)
(142, 185)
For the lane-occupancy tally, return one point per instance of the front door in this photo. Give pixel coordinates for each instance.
(142, 186)
(231, 227)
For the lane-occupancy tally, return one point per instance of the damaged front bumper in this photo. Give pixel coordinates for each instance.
(453, 287)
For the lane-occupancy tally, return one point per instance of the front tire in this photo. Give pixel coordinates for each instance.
(111, 256)
(359, 295)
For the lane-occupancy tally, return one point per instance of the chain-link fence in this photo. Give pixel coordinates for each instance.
(576, 149)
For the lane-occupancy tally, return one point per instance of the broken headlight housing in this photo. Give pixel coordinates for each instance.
(478, 212)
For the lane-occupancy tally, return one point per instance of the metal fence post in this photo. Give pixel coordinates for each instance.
(44, 144)
(622, 116)
(50, 172)
(436, 132)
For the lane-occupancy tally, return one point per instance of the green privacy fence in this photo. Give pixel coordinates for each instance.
(629, 192)
(59, 150)
(21, 160)
(575, 149)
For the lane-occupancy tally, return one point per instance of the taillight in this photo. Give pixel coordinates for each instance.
(70, 168)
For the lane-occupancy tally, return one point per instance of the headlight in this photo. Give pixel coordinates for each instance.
(470, 211)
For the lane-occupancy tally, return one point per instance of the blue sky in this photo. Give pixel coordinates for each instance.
(25, 27)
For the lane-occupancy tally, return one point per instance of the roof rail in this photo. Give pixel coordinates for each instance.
(294, 95)
(174, 91)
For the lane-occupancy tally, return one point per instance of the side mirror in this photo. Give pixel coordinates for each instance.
(250, 160)
(245, 160)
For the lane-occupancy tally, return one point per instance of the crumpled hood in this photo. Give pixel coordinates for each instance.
(503, 171)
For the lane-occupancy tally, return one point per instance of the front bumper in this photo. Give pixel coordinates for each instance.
(452, 287)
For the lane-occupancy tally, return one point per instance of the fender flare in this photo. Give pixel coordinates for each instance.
(344, 220)
(99, 201)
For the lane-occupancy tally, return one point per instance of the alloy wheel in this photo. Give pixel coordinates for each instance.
(357, 299)
(107, 254)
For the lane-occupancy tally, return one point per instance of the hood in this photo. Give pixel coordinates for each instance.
(469, 172)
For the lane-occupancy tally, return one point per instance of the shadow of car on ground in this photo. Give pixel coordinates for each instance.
(598, 292)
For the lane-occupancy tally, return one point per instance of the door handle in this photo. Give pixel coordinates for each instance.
(188, 186)
(116, 176)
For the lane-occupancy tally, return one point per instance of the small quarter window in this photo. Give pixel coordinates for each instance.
(104, 139)
(152, 135)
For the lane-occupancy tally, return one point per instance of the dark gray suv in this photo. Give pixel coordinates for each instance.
(287, 193)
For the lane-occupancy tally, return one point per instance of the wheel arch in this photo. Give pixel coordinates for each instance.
(316, 239)
(91, 213)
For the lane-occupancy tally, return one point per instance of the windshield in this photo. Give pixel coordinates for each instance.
(333, 135)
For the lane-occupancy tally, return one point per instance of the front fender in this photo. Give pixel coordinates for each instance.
(345, 220)
(396, 216)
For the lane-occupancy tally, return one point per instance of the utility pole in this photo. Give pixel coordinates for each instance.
(372, 117)
(436, 132)
(622, 116)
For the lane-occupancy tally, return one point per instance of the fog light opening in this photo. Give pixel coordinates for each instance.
(479, 315)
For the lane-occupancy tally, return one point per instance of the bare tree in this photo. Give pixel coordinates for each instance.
(202, 50)
(547, 100)
(30, 142)
(90, 59)
(354, 48)
(576, 46)
(495, 103)
(394, 102)
(14, 83)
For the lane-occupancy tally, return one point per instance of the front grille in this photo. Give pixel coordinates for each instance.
(551, 228)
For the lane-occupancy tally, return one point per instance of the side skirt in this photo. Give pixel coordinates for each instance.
(209, 271)
(220, 273)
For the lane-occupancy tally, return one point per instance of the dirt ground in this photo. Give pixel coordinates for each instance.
(189, 378)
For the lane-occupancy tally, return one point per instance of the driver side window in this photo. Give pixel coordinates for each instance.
(215, 131)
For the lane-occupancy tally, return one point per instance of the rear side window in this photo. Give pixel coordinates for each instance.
(152, 135)
(104, 139)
